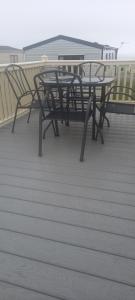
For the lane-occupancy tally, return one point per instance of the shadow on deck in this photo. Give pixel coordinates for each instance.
(67, 229)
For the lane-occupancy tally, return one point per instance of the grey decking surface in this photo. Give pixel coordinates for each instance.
(67, 229)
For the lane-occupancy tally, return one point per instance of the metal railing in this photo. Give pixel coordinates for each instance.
(125, 75)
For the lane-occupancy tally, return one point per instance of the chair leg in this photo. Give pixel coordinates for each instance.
(100, 130)
(50, 123)
(100, 127)
(107, 120)
(40, 134)
(83, 140)
(29, 114)
(30, 111)
(13, 126)
(56, 128)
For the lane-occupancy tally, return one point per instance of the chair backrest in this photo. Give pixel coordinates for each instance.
(18, 81)
(92, 69)
(60, 89)
(118, 92)
(111, 70)
(120, 100)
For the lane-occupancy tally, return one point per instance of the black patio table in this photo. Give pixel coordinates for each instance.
(64, 81)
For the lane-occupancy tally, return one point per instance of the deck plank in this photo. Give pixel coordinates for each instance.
(67, 229)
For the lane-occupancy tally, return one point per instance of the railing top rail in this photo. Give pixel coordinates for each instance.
(68, 62)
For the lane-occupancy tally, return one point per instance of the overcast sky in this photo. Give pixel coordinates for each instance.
(24, 22)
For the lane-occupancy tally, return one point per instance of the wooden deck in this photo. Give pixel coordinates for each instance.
(67, 229)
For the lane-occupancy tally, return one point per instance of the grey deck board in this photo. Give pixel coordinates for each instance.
(70, 218)
(57, 282)
(89, 207)
(69, 180)
(14, 292)
(67, 229)
(83, 261)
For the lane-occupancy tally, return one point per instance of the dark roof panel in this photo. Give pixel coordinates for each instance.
(66, 38)
(8, 48)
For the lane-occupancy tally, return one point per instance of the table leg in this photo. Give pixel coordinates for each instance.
(100, 124)
(94, 115)
(101, 112)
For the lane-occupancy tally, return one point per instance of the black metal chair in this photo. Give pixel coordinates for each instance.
(25, 96)
(65, 100)
(92, 70)
(114, 103)
(95, 71)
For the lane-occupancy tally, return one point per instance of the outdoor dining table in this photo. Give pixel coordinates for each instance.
(91, 83)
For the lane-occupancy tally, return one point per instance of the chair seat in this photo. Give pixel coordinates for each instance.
(120, 108)
(33, 104)
(78, 116)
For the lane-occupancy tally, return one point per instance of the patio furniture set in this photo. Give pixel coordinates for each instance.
(65, 97)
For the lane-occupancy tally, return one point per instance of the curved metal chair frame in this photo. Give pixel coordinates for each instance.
(64, 98)
(111, 105)
(21, 89)
(92, 69)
